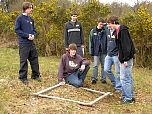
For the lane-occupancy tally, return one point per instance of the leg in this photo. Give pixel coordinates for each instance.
(117, 70)
(107, 68)
(95, 68)
(73, 79)
(126, 80)
(79, 51)
(33, 58)
(103, 73)
(23, 53)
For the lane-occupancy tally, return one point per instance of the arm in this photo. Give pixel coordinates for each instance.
(81, 34)
(18, 30)
(91, 43)
(61, 69)
(65, 36)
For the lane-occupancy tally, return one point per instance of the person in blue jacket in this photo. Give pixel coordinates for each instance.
(25, 29)
(98, 49)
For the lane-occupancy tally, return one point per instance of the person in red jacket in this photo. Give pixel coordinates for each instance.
(73, 68)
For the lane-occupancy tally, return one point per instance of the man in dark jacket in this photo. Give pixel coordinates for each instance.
(73, 33)
(24, 28)
(98, 49)
(73, 68)
(126, 51)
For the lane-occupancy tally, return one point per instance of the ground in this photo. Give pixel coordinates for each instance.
(16, 98)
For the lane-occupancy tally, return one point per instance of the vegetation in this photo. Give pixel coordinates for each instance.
(51, 15)
(16, 98)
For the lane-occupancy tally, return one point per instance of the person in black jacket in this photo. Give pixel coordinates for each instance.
(73, 33)
(25, 29)
(126, 51)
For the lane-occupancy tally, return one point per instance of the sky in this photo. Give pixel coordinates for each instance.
(130, 2)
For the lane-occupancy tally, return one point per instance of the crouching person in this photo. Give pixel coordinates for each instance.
(73, 68)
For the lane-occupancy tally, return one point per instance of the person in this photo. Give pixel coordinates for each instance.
(73, 68)
(98, 49)
(112, 59)
(25, 29)
(73, 33)
(126, 51)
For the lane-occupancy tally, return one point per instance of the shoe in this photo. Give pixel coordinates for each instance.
(128, 101)
(94, 82)
(24, 81)
(37, 79)
(103, 81)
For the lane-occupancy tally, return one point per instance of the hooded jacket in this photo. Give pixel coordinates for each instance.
(126, 49)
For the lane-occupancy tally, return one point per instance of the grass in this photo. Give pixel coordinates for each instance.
(16, 98)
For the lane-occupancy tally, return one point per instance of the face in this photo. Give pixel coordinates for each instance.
(29, 10)
(111, 26)
(72, 52)
(74, 17)
(100, 25)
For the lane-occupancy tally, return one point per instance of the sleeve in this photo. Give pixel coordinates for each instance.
(126, 44)
(18, 30)
(81, 34)
(34, 28)
(65, 36)
(91, 43)
(61, 69)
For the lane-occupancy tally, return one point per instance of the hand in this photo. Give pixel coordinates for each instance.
(62, 83)
(67, 49)
(125, 64)
(31, 37)
(82, 46)
(82, 67)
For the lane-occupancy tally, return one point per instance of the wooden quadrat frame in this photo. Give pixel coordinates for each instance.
(41, 94)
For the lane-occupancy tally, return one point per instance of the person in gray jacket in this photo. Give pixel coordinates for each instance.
(73, 68)
(73, 33)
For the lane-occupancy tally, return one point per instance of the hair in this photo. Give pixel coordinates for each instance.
(26, 5)
(100, 20)
(73, 46)
(113, 20)
(74, 12)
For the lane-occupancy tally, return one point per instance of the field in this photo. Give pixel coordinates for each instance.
(16, 98)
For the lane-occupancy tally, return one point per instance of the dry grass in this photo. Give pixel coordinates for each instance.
(16, 98)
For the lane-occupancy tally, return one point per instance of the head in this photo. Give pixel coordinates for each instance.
(27, 7)
(100, 23)
(113, 22)
(72, 49)
(74, 15)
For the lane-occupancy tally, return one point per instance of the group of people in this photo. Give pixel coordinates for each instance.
(109, 44)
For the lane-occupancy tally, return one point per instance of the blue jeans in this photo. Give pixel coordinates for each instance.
(98, 60)
(109, 61)
(77, 78)
(126, 80)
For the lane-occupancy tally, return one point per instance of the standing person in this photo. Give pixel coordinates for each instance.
(24, 28)
(98, 49)
(73, 68)
(112, 58)
(126, 51)
(73, 33)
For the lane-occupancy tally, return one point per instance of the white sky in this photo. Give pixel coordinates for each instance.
(130, 2)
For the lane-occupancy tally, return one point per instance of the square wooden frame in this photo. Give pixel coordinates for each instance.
(40, 94)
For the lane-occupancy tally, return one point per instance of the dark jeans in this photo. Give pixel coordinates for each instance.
(28, 52)
(77, 78)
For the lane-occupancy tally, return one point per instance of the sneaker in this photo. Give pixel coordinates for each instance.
(94, 82)
(103, 81)
(37, 79)
(129, 101)
(24, 81)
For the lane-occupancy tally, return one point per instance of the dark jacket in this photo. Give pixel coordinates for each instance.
(69, 65)
(73, 33)
(97, 41)
(126, 49)
(24, 26)
(112, 49)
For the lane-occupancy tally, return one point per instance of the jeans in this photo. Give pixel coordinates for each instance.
(77, 78)
(126, 80)
(28, 52)
(109, 61)
(79, 51)
(97, 61)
